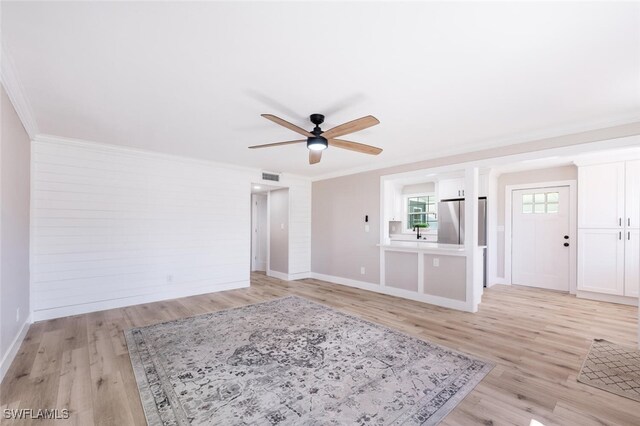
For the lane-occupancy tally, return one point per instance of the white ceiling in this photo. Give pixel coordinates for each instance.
(192, 78)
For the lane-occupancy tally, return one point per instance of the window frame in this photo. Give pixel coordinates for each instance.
(545, 203)
(405, 208)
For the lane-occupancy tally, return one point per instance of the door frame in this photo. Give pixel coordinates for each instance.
(573, 231)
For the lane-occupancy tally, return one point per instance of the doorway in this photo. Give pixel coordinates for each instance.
(259, 232)
(541, 237)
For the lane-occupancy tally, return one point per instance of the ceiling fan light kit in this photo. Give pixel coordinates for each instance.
(319, 140)
(317, 143)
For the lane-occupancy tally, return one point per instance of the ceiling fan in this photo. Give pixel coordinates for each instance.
(319, 140)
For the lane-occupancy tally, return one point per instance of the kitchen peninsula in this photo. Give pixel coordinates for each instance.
(414, 265)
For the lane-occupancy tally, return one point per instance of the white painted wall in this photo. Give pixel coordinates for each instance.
(114, 227)
(15, 149)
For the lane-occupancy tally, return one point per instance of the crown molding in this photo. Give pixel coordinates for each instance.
(16, 93)
(622, 126)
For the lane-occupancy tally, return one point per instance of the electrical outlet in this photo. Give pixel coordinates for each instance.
(362, 270)
(436, 262)
(169, 278)
(17, 314)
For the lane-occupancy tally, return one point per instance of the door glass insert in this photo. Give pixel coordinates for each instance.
(540, 203)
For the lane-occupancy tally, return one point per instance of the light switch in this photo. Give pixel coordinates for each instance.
(366, 228)
(436, 262)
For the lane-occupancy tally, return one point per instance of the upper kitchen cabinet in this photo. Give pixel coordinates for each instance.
(394, 203)
(632, 205)
(601, 195)
(455, 188)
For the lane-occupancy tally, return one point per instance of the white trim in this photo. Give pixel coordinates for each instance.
(16, 93)
(405, 212)
(612, 298)
(279, 275)
(498, 280)
(299, 276)
(14, 347)
(288, 277)
(391, 291)
(474, 265)
(492, 229)
(84, 308)
(573, 217)
(572, 137)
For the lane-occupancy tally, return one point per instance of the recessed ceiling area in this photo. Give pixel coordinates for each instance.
(192, 79)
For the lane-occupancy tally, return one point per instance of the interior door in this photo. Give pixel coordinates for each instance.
(540, 237)
(258, 232)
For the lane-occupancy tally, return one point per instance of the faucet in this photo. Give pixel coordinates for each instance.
(417, 228)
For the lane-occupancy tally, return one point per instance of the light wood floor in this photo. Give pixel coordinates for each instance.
(537, 338)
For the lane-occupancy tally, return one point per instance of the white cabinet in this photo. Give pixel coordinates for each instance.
(455, 188)
(601, 265)
(609, 228)
(632, 189)
(601, 195)
(450, 188)
(632, 263)
(396, 204)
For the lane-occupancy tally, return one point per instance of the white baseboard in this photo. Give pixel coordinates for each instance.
(260, 266)
(278, 275)
(601, 297)
(397, 292)
(299, 276)
(11, 353)
(84, 308)
(498, 280)
(288, 277)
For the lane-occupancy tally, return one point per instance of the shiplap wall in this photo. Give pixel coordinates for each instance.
(115, 227)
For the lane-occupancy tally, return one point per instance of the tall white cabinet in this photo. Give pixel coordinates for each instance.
(609, 230)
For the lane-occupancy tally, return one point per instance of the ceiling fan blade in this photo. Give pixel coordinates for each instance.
(288, 125)
(314, 156)
(355, 146)
(351, 126)
(268, 145)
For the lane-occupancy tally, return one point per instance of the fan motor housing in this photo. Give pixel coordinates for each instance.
(317, 119)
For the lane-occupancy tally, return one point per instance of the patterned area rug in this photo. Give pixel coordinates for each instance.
(293, 362)
(612, 368)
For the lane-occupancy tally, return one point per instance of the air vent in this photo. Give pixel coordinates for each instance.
(270, 176)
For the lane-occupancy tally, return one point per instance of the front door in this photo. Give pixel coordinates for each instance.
(540, 237)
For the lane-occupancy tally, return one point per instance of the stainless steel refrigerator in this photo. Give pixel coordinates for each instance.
(451, 224)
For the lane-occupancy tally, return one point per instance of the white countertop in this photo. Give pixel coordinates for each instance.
(426, 246)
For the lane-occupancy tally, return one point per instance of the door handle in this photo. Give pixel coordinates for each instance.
(620, 235)
(566, 237)
(620, 221)
(566, 244)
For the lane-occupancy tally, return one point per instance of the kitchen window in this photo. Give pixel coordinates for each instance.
(421, 209)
